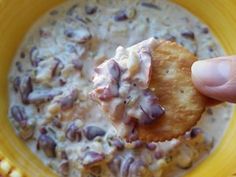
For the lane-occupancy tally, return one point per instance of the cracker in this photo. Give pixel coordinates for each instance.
(171, 79)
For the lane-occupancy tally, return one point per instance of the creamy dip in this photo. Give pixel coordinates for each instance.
(51, 78)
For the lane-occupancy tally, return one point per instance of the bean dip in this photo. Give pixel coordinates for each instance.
(51, 78)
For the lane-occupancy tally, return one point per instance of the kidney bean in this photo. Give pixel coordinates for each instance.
(151, 113)
(92, 132)
(91, 158)
(16, 83)
(115, 165)
(124, 171)
(33, 56)
(108, 92)
(62, 82)
(42, 96)
(27, 132)
(151, 146)
(26, 88)
(43, 130)
(90, 10)
(205, 30)
(151, 109)
(118, 143)
(188, 34)
(64, 155)
(110, 68)
(19, 66)
(133, 134)
(69, 33)
(138, 144)
(195, 132)
(120, 16)
(47, 144)
(158, 154)
(137, 168)
(78, 64)
(109, 89)
(64, 168)
(114, 69)
(80, 36)
(73, 133)
(18, 113)
(170, 38)
(26, 128)
(22, 55)
(57, 65)
(67, 102)
(150, 5)
(56, 123)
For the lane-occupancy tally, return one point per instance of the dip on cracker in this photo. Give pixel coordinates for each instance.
(147, 92)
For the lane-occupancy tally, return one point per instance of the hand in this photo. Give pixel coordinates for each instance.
(216, 78)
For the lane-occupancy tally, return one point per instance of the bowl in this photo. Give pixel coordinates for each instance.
(16, 17)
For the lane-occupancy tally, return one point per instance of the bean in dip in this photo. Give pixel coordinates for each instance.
(50, 82)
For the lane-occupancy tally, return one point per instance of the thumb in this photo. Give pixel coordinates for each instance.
(216, 78)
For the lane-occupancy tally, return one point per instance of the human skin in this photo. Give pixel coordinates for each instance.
(216, 78)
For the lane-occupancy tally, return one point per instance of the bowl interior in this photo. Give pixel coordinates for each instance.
(17, 17)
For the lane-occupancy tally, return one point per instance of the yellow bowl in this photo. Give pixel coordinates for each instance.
(17, 16)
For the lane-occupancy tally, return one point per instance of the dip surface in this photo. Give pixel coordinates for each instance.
(51, 78)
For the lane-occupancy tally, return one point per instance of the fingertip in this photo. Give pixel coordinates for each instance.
(215, 78)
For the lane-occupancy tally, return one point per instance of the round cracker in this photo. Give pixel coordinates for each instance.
(171, 79)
